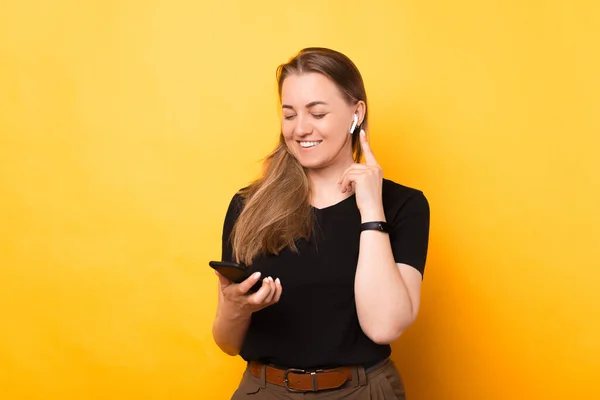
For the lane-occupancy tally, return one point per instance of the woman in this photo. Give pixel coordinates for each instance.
(340, 250)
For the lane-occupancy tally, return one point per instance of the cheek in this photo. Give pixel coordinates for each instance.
(287, 130)
(335, 132)
(288, 137)
(336, 128)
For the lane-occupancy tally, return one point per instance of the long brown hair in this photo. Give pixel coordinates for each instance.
(277, 209)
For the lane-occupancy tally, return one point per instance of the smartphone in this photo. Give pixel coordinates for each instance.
(235, 272)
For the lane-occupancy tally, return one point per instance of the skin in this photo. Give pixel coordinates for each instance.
(387, 294)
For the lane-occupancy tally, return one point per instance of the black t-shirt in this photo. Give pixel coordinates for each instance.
(315, 324)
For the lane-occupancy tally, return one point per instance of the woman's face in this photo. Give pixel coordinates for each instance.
(316, 120)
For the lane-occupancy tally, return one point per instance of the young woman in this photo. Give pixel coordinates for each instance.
(340, 250)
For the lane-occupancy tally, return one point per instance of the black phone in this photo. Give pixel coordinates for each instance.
(235, 272)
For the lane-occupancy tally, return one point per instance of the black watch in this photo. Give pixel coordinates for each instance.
(375, 226)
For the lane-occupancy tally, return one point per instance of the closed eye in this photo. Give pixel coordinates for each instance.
(316, 116)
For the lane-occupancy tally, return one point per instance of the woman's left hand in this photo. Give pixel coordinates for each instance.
(366, 180)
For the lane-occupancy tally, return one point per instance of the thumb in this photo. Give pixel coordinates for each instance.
(222, 280)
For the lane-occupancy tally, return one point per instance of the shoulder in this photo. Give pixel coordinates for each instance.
(400, 199)
(239, 197)
(397, 194)
(236, 204)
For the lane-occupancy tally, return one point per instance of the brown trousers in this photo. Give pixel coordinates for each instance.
(380, 383)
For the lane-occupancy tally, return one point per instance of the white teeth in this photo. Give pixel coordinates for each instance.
(309, 144)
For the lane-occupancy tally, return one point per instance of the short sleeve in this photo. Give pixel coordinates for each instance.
(233, 212)
(410, 232)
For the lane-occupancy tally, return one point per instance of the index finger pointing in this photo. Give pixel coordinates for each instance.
(369, 156)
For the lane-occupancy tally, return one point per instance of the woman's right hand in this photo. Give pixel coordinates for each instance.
(237, 299)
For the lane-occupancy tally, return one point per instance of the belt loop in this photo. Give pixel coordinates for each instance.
(252, 370)
(263, 376)
(362, 376)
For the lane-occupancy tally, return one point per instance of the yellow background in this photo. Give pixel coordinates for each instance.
(126, 126)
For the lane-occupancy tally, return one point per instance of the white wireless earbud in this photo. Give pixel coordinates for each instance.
(354, 124)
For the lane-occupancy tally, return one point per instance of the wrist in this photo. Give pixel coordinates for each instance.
(235, 313)
(371, 215)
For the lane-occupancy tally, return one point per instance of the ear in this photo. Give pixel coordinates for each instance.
(361, 110)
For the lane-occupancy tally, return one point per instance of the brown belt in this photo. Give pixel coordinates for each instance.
(298, 380)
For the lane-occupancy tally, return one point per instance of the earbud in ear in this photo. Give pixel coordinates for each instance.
(354, 123)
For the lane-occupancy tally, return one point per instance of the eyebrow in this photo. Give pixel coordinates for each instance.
(309, 105)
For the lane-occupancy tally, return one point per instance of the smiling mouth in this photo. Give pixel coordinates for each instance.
(307, 145)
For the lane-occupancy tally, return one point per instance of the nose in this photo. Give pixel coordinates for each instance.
(303, 126)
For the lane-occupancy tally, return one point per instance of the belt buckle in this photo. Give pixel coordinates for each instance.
(286, 381)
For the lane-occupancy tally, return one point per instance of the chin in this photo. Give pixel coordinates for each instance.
(312, 164)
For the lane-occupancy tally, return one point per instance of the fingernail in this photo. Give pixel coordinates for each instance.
(362, 132)
(256, 274)
(277, 281)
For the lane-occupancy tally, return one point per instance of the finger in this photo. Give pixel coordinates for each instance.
(354, 166)
(271, 293)
(347, 183)
(342, 176)
(262, 293)
(366, 147)
(275, 290)
(247, 284)
(351, 168)
(278, 292)
(350, 178)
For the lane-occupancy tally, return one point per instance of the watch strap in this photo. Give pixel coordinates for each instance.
(381, 226)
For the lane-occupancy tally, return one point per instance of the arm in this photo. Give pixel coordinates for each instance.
(388, 278)
(234, 305)
(235, 308)
(229, 327)
(387, 293)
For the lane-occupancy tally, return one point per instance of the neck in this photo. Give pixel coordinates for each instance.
(324, 188)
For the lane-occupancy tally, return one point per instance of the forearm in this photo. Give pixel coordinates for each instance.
(229, 329)
(383, 302)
